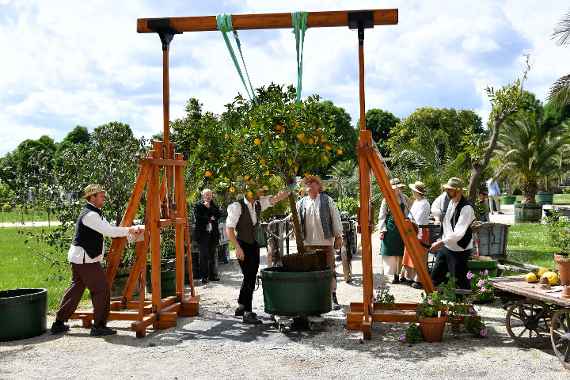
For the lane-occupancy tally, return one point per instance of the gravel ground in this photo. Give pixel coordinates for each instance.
(217, 345)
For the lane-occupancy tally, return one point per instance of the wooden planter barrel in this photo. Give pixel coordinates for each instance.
(22, 313)
(528, 212)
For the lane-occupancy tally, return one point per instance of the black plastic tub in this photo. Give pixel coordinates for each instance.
(22, 313)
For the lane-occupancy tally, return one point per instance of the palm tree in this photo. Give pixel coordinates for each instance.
(560, 90)
(531, 149)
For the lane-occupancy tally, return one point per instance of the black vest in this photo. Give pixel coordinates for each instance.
(245, 228)
(88, 239)
(466, 239)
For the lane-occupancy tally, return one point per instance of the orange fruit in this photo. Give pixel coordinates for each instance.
(339, 152)
(328, 146)
(257, 141)
(232, 189)
(208, 173)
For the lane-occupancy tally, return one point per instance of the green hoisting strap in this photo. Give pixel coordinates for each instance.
(224, 22)
(299, 21)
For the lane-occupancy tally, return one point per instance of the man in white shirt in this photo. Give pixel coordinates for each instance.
(241, 223)
(321, 224)
(85, 255)
(456, 243)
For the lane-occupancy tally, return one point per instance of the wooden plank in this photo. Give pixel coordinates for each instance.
(266, 21)
(113, 315)
(190, 307)
(141, 250)
(180, 227)
(518, 285)
(153, 209)
(394, 316)
(118, 245)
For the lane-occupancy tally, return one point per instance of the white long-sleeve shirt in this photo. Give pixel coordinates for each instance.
(383, 214)
(77, 255)
(313, 228)
(419, 214)
(452, 235)
(234, 211)
(437, 206)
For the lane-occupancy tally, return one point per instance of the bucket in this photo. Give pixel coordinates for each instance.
(296, 293)
(22, 313)
(509, 199)
(528, 212)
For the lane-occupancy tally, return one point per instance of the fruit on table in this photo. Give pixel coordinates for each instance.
(551, 277)
(541, 271)
(531, 277)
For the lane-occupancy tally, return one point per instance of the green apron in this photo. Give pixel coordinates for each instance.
(392, 244)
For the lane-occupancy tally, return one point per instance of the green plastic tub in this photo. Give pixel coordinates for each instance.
(477, 266)
(296, 293)
(528, 212)
(544, 198)
(22, 313)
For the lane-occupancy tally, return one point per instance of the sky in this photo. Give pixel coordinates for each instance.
(68, 63)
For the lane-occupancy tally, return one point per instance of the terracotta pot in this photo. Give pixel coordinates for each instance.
(563, 263)
(432, 328)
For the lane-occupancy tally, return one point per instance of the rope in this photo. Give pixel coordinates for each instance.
(224, 23)
(299, 21)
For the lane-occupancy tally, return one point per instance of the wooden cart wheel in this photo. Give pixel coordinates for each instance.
(528, 322)
(560, 336)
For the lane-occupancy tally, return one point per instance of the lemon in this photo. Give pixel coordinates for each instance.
(531, 277)
(552, 277)
(541, 271)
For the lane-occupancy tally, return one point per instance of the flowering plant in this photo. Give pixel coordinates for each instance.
(482, 290)
(431, 306)
(384, 296)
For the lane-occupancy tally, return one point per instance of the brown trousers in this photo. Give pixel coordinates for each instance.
(92, 277)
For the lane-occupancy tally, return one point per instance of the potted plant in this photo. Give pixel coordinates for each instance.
(412, 335)
(559, 231)
(459, 307)
(475, 326)
(432, 316)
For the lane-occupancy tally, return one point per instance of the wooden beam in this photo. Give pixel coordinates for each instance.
(261, 21)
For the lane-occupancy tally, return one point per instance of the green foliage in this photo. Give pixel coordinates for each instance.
(349, 205)
(432, 305)
(475, 326)
(481, 288)
(412, 335)
(559, 232)
(384, 296)
(530, 149)
(380, 123)
(432, 145)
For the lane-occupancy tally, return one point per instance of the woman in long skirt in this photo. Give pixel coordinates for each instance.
(392, 246)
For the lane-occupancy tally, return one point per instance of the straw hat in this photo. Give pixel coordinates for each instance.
(396, 184)
(454, 183)
(418, 187)
(92, 190)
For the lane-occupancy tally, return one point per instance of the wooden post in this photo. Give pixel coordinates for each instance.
(153, 207)
(180, 228)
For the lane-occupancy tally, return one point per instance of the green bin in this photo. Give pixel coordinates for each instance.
(296, 293)
(477, 266)
(22, 313)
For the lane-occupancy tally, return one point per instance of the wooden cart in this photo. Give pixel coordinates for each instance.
(533, 313)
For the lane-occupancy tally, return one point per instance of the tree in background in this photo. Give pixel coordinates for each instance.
(560, 90)
(380, 123)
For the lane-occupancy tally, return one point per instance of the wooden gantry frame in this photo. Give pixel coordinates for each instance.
(162, 313)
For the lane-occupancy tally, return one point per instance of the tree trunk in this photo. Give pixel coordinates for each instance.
(296, 224)
(479, 166)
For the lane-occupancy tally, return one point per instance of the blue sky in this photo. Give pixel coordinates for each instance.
(68, 63)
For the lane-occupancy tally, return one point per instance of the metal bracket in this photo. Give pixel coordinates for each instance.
(165, 31)
(360, 19)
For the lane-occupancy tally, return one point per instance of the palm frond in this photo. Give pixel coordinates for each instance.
(562, 30)
(560, 91)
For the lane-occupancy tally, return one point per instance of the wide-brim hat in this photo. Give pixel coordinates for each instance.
(396, 184)
(418, 187)
(92, 190)
(454, 183)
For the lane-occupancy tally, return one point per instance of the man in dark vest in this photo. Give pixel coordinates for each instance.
(456, 243)
(241, 223)
(85, 255)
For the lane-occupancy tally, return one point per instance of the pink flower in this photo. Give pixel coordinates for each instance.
(483, 289)
(402, 338)
(486, 272)
(480, 283)
(484, 332)
(469, 275)
(430, 301)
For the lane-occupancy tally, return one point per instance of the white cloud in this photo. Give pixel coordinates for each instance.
(83, 63)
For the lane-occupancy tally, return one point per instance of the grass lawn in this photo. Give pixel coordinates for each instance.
(559, 199)
(16, 216)
(21, 268)
(529, 243)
